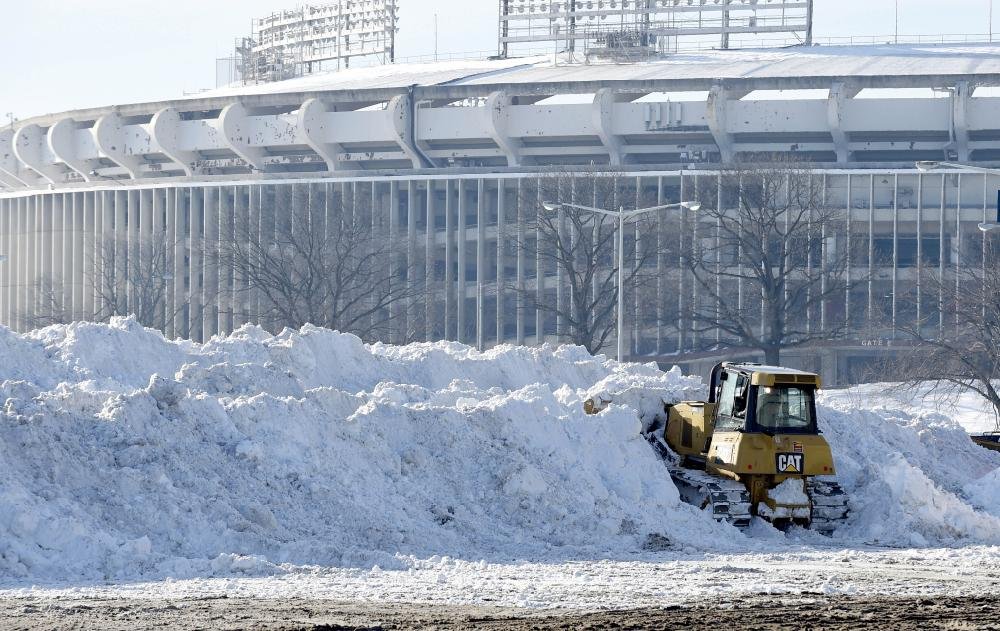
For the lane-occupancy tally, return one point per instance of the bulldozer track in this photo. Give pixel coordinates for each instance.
(728, 500)
(829, 502)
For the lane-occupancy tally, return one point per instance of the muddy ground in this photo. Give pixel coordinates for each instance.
(759, 613)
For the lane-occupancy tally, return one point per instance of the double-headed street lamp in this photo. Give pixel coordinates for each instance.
(986, 226)
(621, 215)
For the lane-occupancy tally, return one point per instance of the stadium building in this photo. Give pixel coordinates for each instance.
(442, 152)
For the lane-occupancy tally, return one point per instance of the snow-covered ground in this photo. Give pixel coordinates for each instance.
(311, 464)
(966, 408)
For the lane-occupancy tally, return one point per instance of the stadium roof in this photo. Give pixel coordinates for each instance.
(785, 63)
(815, 67)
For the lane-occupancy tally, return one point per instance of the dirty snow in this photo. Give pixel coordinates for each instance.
(312, 463)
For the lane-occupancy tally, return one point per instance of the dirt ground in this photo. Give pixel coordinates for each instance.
(759, 613)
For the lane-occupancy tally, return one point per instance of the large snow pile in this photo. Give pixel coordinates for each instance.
(124, 454)
(914, 477)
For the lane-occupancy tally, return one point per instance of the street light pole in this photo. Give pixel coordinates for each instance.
(621, 214)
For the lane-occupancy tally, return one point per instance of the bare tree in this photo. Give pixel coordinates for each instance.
(123, 285)
(49, 305)
(136, 285)
(317, 259)
(764, 262)
(578, 248)
(957, 346)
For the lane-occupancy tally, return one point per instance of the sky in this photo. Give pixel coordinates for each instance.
(68, 54)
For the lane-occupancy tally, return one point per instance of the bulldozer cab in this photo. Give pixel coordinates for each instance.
(763, 400)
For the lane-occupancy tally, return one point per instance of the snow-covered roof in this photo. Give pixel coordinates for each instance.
(770, 370)
(797, 62)
(796, 68)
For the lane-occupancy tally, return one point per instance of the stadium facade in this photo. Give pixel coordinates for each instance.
(442, 153)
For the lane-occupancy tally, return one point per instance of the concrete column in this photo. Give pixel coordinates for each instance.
(521, 262)
(8, 227)
(823, 258)
(560, 273)
(178, 294)
(718, 256)
(111, 138)
(920, 248)
(449, 262)
(134, 248)
(30, 143)
(497, 112)
(120, 241)
(717, 110)
(5, 250)
(237, 131)
(210, 264)
(460, 284)
(501, 252)
(895, 249)
(31, 278)
(17, 274)
(39, 240)
(850, 258)
(681, 298)
(106, 272)
(147, 257)
(392, 216)
(55, 251)
(376, 232)
(539, 273)
(165, 129)
(957, 245)
(66, 243)
(411, 260)
(960, 107)
(78, 238)
(429, 250)
(224, 230)
(196, 263)
(47, 273)
(254, 239)
(660, 267)
(871, 247)
(481, 219)
(241, 201)
(941, 253)
(89, 254)
(637, 255)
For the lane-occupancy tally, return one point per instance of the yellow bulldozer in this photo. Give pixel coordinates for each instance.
(753, 449)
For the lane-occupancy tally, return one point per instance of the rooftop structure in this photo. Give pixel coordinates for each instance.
(314, 37)
(630, 27)
(517, 113)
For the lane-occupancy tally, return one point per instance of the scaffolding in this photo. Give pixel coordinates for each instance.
(312, 38)
(650, 26)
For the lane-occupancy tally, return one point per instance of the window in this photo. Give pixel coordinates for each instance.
(732, 403)
(785, 408)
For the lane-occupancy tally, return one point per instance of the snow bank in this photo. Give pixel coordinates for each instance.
(123, 454)
(914, 477)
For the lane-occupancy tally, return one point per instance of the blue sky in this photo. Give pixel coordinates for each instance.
(80, 53)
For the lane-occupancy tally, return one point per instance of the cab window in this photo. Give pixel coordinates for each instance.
(782, 408)
(732, 403)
